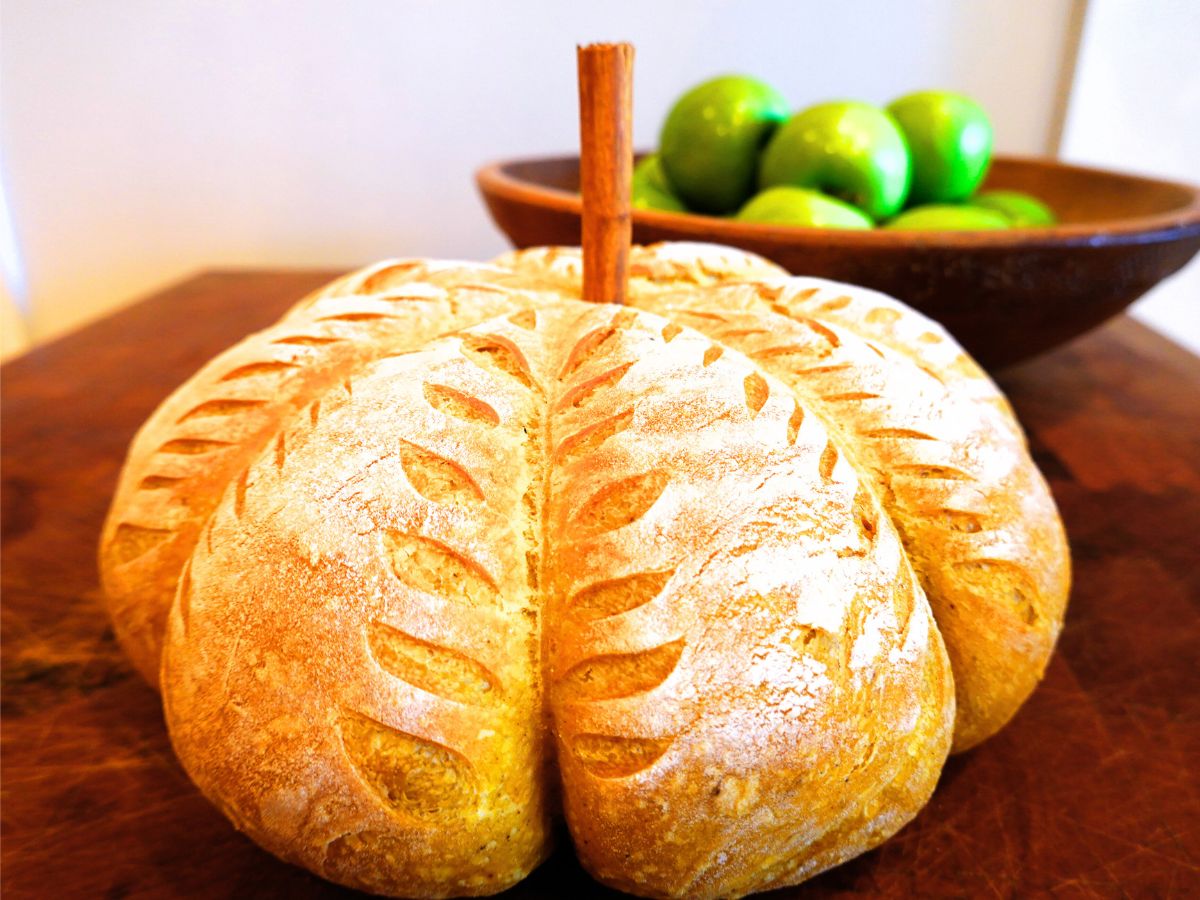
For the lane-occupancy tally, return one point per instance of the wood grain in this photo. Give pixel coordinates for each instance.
(605, 168)
(1092, 791)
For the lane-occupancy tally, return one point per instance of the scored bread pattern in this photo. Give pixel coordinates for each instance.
(421, 778)
(619, 502)
(629, 689)
(424, 769)
(433, 668)
(941, 491)
(590, 374)
(430, 566)
(437, 478)
(609, 757)
(206, 433)
(613, 676)
(611, 598)
(655, 552)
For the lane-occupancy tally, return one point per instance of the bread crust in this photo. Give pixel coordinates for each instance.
(661, 569)
(975, 515)
(406, 565)
(348, 670)
(207, 432)
(780, 669)
(935, 436)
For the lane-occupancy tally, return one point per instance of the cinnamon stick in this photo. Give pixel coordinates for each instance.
(605, 167)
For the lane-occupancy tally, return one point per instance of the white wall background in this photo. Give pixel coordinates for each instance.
(143, 140)
(1135, 105)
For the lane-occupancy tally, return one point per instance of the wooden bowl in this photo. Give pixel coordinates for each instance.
(1006, 295)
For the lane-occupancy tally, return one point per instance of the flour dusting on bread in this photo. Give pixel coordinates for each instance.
(448, 554)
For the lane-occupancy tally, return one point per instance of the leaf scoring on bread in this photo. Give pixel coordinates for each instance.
(581, 393)
(617, 757)
(897, 434)
(192, 446)
(223, 407)
(437, 478)
(829, 459)
(498, 354)
(612, 676)
(156, 482)
(431, 566)
(866, 514)
(588, 440)
(462, 406)
(587, 348)
(823, 370)
(306, 340)
(260, 368)
(781, 350)
(396, 273)
(356, 317)
(794, 422)
(131, 541)
(619, 595)
(881, 315)
(433, 668)
(410, 774)
(757, 391)
(621, 502)
(835, 304)
(850, 396)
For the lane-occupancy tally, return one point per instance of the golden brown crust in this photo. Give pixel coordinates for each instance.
(366, 698)
(933, 433)
(760, 678)
(205, 434)
(351, 669)
(669, 566)
(976, 518)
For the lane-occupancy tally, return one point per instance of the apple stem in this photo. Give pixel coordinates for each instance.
(605, 167)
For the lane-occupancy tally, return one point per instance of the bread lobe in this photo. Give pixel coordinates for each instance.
(355, 678)
(208, 431)
(716, 726)
(976, 517)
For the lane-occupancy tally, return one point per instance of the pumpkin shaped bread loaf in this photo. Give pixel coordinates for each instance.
(447, 554)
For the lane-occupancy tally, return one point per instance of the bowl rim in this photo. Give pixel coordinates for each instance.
(493, 178)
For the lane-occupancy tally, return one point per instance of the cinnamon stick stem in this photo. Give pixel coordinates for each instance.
(605, 167)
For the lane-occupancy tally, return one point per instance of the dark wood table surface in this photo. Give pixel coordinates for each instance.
(1091, 791)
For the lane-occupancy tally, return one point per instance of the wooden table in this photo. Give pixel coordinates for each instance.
(1092, 791)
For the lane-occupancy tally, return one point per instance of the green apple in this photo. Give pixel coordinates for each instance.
(950, 139)
(802, 207)
(849, 150)
(650, 188)
(947, 217)
(1020, 208)
(712, 138)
